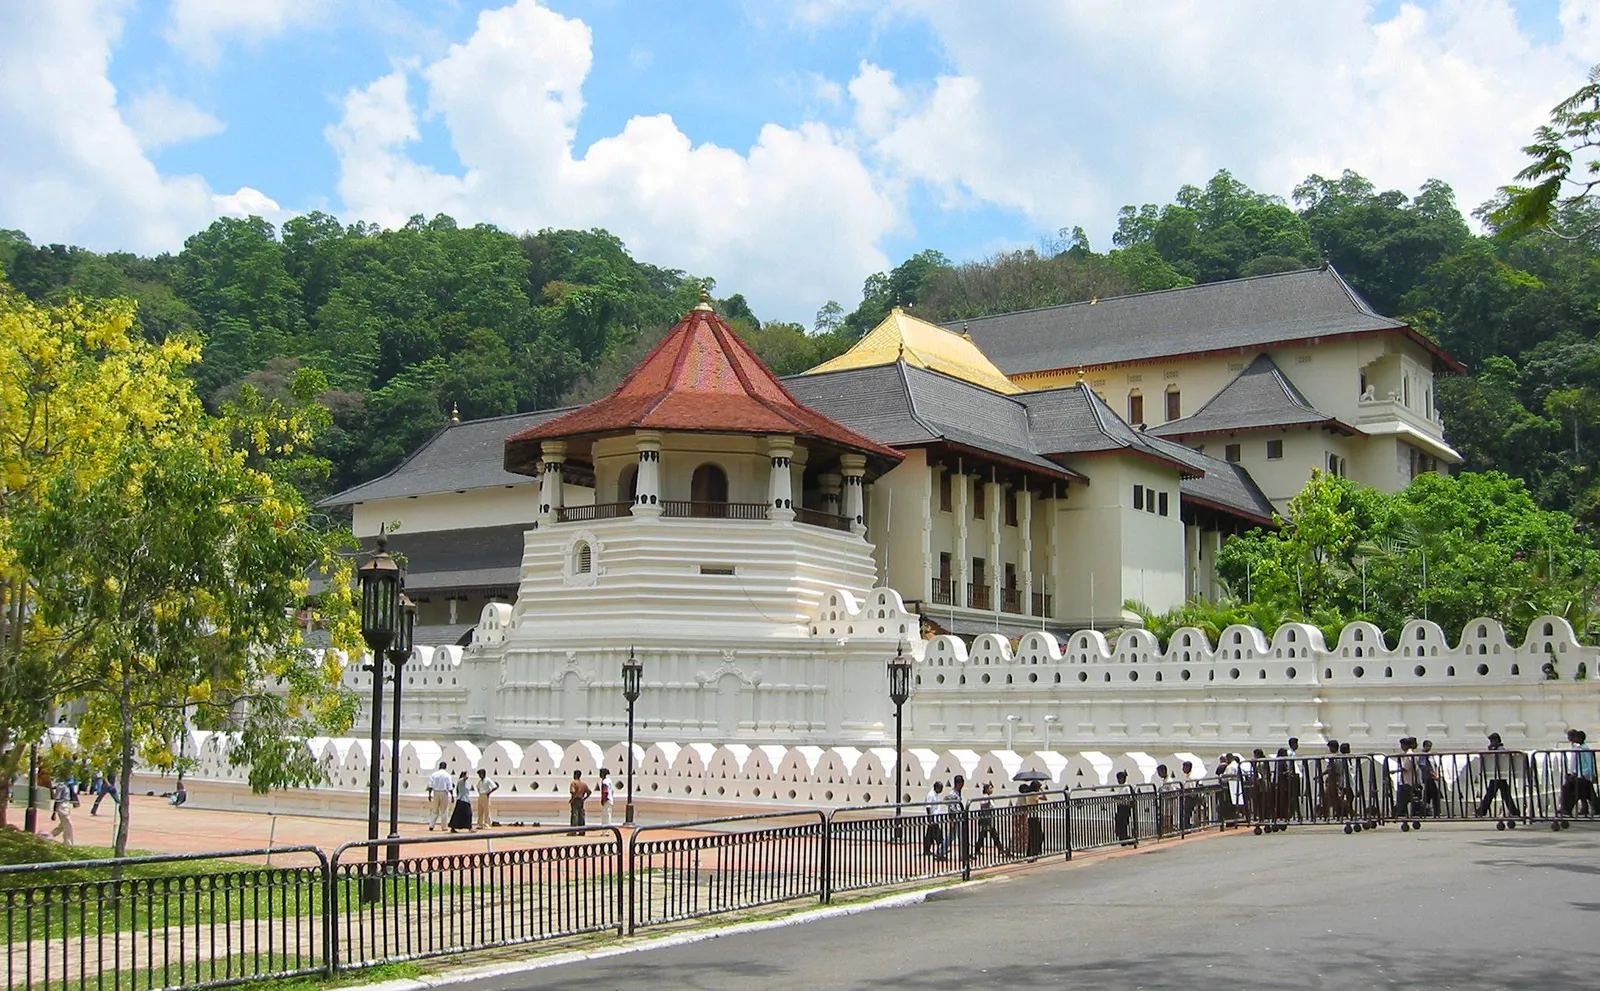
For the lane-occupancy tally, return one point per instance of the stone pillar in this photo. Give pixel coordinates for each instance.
(855, 503)
(1191, 560)
(553, 454)
(780, 503)
(647, 486)
(962, 510)
(831, 483)
(997, 569)
(1052, 543)
(1025, 524)
(925, 523)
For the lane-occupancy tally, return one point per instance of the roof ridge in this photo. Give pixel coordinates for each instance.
(967, 382)
(911, 400)
(1101, 300)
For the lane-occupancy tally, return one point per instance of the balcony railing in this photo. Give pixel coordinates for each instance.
(978, 596)
(816, 517)
(598, 511)
(1043, 605)
(680, 509)
(1010, 600)
(944, 592)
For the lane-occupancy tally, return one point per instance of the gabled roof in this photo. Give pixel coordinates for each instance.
(1259, 397)
(1224, 485)
(701, 378)
(1256, 312)
(903, 337)
(908, 407)
(460, 457)
(1075, 421)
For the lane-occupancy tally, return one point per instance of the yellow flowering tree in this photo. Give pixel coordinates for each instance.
(154, 568)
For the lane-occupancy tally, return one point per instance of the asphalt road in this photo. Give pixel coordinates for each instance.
(1450, 907)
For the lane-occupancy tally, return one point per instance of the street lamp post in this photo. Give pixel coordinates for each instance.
(899, 692)
(380, 598)
(30, 822)
(632, 682)
(399, 654)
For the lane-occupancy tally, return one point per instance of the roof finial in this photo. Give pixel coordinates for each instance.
(705, 297)
(1080, 375)
(902, 349)
(455, 412)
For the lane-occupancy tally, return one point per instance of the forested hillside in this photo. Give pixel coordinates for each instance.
(391, 329)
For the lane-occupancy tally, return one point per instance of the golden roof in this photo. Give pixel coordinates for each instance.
(902, 336)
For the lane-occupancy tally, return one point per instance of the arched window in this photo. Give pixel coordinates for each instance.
(708, 491)
(628, 484)
(582, 558)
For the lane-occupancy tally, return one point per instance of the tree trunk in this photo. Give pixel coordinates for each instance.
(125, 767)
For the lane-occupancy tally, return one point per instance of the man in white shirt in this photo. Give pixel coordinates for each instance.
(933, 835)
(441, 795)
(486, 786)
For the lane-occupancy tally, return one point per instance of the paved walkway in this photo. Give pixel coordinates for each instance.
(1450, 907)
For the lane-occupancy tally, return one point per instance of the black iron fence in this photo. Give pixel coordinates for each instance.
(724, 865)
(178, 921)
(418, 903)
(205, 920)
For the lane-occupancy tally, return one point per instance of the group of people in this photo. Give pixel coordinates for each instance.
(946, 824)
(451, 806)
(65, 798)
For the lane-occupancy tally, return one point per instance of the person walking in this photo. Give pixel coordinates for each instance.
(103, 785)
(607, 796)
(461, 812)
(933, 834)
(955, 819)
(577, 793)
(986, 821)
(1122, 818)
(1428, 769)
(1408, 778)
(1497, 768)
(61, 812)
(441, 797)
(486, 786)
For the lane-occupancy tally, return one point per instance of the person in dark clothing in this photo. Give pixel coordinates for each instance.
(1123, 818)
(1497, 768)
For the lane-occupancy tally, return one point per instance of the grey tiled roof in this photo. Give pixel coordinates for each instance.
(1223, 486)
(1260, 396)
(459, 457)
(1241, 313)
(902, 405)
(1075, 420)
(480, 557)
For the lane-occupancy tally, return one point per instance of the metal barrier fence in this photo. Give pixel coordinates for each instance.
(146, 923)
(725, 865)
(407, 905)
(135, 924)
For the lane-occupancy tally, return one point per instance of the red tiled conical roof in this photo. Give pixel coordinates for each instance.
(701, 377)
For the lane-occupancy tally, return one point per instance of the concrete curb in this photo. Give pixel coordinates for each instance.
(666, 942)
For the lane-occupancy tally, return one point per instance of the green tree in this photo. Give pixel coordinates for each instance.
(1559, 178)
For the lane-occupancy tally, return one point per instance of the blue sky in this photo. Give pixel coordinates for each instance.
(787, 148)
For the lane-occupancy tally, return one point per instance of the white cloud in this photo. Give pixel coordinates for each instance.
(1067, 111)
(74, 170)
(198, 27)
(794, 219)
(160, 119)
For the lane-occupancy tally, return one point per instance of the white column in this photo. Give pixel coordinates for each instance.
(647, 485)
(1025, 522)
(553, 454)
(780, 503)
(854, 467)
(831, 484)
(997, 568)
(1052, 539)
(961, 505)
(925, 541)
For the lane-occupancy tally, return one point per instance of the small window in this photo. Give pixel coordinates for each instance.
(1162, 498)
(584, 558)
(1011, 500)
(946, 486)
(1174, 404)
(1274, 450)
(1135, 408)
(1138, 497)
(1230, 454)
(977, 500)
(1150, 501)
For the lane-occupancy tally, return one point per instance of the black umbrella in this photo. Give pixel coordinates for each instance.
(1030, 776)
